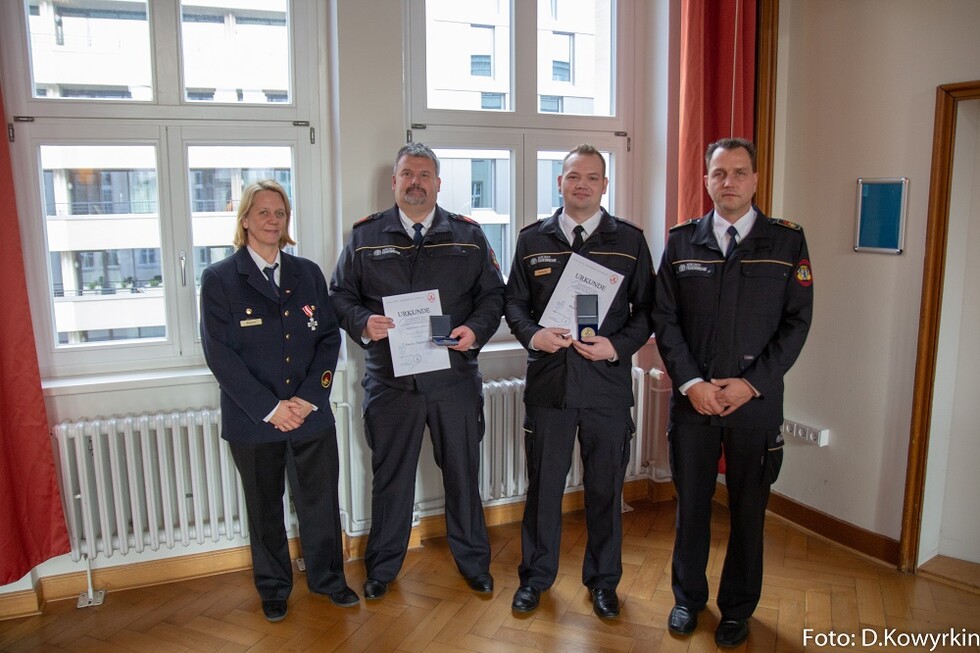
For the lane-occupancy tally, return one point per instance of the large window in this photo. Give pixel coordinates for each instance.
(148, 119)
(502, 137)
(469, 48)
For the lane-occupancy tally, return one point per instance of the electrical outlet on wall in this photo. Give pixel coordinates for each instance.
(814, 435)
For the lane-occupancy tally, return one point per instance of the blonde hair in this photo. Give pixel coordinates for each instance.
(245, 205)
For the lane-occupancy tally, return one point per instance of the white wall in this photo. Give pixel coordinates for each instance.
(857, 99)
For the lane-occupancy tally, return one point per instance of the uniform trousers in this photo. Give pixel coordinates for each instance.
(313, 469)
(694, 453)
(604, 436)
(394, 423)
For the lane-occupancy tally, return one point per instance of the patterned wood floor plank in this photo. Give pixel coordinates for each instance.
(809, 583)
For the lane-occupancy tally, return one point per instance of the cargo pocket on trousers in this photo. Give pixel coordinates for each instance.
(774, 457)
(627, 449)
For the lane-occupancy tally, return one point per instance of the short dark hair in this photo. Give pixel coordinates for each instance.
(416, 149)
(585, 149)
(730, 144)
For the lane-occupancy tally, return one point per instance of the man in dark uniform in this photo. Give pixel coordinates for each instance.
(416, 246)
(271, 340)
(733, 306)
(578, 386)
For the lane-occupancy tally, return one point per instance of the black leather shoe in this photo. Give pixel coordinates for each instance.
(732, 632)
(274, 610)
(605, 603)
(345, 598)
(374, 589)
(482, 583)
(526, 599)
(682, 620)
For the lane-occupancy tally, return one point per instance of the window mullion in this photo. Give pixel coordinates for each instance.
(165, 40)
(525, 50)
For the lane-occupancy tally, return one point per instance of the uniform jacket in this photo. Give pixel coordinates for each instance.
(747, 316)
(380, 260)
(564, 379)
(263, 348)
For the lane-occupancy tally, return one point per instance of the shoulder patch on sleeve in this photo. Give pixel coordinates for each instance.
(688, 223)
(785, 223)
(367, 219)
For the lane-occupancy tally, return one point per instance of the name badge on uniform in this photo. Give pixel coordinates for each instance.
(256, 321)
(308, 310)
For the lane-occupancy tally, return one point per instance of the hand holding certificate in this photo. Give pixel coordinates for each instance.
(412, 349)
(580, 277)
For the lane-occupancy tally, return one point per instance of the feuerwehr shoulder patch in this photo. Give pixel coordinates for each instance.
(326, 378)
(804, 275)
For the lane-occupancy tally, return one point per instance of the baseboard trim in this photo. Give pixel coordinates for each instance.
(853, 537)
(19, 604)
(143, 574)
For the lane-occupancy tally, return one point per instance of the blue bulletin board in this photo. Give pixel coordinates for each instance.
(881, 208)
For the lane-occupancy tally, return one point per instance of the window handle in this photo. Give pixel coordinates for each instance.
(183, 268)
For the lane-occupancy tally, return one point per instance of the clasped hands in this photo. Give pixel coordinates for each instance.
(290, 414)
(720, 396)
(593, 348)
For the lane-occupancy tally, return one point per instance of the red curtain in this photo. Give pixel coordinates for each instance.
(32, 524)
(717, 89)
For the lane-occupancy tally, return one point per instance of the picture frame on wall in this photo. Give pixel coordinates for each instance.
(882, 205)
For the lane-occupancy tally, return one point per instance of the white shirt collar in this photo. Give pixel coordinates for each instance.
(568, 225)
(743, 226)
(262, 264)
(407, 222)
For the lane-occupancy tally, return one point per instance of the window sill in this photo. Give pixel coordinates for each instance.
(141, 380)
(117, 381)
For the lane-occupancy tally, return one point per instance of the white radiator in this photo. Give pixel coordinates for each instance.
(149, 481)
(503, 474)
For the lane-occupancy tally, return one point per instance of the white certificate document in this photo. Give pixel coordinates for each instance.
(412, 349)
(580, 277)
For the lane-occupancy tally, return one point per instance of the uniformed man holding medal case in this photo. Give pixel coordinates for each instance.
(586, 263)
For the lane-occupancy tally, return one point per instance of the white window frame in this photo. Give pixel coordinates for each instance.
(171, 125)
(524, 91)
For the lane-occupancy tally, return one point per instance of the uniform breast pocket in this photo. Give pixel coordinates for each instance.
(698, 284)
(251, 323)
(763, 284)
(452, 263)
(386, 268)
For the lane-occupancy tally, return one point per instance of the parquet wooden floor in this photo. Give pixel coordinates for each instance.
(809, 583)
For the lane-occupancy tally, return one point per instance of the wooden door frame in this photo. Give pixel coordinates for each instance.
(948, 97)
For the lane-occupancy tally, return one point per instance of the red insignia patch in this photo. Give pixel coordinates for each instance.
(493, 259)
(326, 378)
(804, 275)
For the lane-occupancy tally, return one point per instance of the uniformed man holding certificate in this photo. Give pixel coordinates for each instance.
(578, 383)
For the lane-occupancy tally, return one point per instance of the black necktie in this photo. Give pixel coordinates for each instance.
(578, 240)
(732, 235)
(270, 274)
(417, 240)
